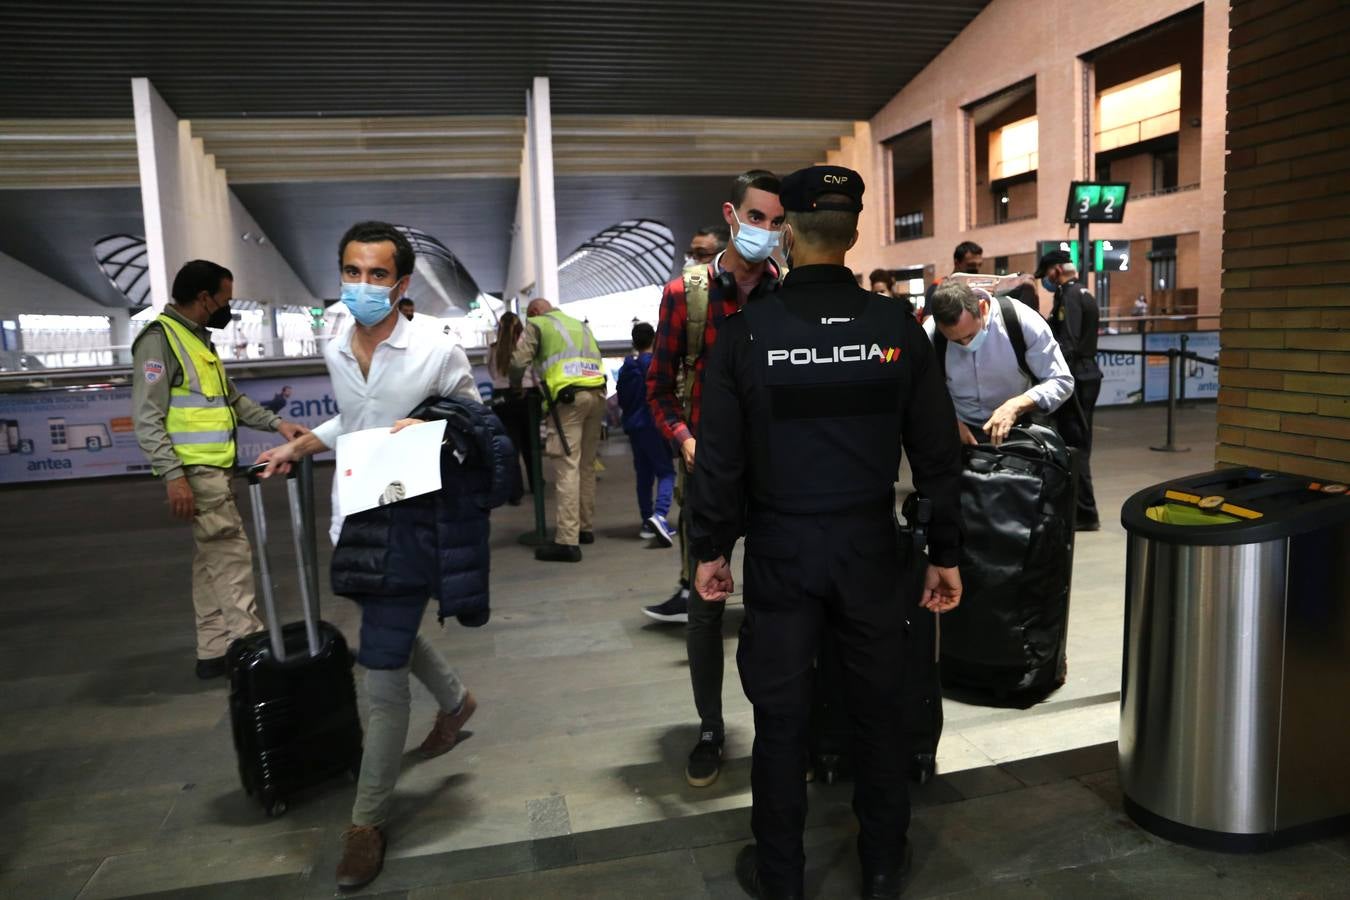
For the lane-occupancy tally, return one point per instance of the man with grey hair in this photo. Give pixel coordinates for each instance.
(1001, 363)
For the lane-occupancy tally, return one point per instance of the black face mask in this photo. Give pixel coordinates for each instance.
(220, 318)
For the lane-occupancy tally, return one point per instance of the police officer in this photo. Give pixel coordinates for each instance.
(186, 411)
(1074, 320)
(809, 397)
(564, 353)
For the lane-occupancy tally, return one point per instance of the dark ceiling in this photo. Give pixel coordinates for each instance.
(53, 231)
(787, 58)
(470, 216)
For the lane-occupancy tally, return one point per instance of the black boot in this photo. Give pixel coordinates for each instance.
(747, 876)
(555, 552)
(887, 885)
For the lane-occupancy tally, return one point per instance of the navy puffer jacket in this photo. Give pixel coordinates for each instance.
(436, 545)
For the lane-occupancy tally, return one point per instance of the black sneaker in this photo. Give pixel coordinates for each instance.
(705, 761)
(586, 537)
(555, 552)
(211, 668)
(676, 609)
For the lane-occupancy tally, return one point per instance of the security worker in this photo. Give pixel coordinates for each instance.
(571, 372)
(1073, 320)
(187, 410)
(808, 399)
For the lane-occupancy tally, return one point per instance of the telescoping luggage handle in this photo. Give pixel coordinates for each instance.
(923, 515)
(303, 547)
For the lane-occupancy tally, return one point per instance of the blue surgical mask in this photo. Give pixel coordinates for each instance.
(1049, 285)
(753, 243)
(977, 340)
(369, 303)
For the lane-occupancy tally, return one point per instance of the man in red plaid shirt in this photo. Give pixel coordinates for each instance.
(741, 272)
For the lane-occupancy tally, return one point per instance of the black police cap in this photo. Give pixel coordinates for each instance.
(1053, 258)
(800, 190)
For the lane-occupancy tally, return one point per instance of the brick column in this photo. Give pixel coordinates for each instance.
(1284, 401)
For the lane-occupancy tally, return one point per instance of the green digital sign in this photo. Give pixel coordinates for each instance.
(1092, 201)
(1107, 256)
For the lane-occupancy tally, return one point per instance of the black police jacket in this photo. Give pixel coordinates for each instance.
(808, 398)
(1073, 320)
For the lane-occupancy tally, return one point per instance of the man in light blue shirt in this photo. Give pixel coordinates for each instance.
(989, 388)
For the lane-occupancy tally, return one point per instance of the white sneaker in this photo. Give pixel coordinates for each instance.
(646, 533)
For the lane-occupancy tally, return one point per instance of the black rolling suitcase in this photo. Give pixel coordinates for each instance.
(831, 728)
(292, 694)
(1007, 638)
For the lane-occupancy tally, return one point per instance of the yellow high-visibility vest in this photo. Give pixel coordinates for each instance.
(200, 422)
(568, 353)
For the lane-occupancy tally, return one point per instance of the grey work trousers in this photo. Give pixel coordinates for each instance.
(389, 697)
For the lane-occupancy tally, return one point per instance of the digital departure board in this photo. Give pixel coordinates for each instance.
(1093, 201)
(1107, 256)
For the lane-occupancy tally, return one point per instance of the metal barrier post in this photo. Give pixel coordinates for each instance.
(1185, 361)
(1171, 447)
(536, 415)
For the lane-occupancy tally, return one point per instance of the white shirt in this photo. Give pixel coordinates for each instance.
(406, 368)
(982, 381)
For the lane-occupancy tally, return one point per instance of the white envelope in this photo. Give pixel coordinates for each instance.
(376, 467)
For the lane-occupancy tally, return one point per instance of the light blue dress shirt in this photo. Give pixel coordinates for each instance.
(982, 381)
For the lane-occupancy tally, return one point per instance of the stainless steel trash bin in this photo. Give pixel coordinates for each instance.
(1234, 729)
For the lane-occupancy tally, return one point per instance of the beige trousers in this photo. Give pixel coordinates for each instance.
(574, 473)
(222, 569)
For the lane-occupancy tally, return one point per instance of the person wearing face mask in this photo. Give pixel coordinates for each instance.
(186, 412)
(382, 368)
(810, 397)
(693, 307)
(995, 375)
(1073, 319)
(966, 260)
(706, 243)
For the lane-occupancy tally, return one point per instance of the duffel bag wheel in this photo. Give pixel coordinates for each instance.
(828, 768)
(275, 808)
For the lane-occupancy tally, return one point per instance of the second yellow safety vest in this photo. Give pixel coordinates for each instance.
(568, 354)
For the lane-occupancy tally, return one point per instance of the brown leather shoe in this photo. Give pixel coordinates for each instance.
(362, 856)
(445, 733)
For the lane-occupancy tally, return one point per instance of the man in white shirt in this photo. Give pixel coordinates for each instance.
(382, 367)
(989, 386)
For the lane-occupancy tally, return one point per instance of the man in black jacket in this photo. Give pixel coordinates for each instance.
(1073, 319)
(809, 396)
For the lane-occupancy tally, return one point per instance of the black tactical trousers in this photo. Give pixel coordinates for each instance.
(703, 634)
(804, 574)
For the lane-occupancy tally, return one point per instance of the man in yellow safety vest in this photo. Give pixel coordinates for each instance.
(186, 412)
(567, 362)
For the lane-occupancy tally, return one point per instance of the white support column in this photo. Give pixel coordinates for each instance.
(545, 221)
(191, 213)
(156, 135)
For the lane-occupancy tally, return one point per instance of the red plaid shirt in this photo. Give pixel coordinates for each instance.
(671, 343)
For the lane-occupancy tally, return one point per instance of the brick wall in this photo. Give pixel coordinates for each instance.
(1285, 378)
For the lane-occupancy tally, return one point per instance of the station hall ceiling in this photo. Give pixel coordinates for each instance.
(825, 59)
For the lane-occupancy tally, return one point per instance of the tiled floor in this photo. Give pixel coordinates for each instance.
(119, 775)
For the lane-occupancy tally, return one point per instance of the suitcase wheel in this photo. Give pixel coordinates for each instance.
(922, 768)
(829, 768)
(275, 807)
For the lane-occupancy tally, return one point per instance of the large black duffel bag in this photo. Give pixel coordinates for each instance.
(1007, 637)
